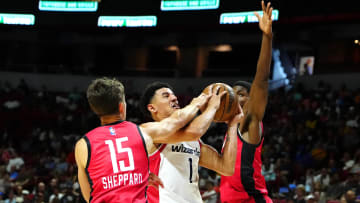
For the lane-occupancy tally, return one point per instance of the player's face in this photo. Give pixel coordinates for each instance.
(165, 102)
(242, 93)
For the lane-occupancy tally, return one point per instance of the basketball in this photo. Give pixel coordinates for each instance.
(228, 104)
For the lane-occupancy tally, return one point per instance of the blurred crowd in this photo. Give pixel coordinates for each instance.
(310, 151)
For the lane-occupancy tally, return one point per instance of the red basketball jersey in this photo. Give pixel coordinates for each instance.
(118, 165)
(247, 180)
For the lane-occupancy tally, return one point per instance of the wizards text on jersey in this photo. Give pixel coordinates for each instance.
(181, 148)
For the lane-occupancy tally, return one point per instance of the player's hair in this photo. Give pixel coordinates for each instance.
(245, 84)
(104, 95)
(148, 94)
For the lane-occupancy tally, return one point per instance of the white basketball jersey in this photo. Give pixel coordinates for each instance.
(177, 167)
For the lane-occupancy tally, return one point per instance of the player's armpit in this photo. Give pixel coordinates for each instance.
(251, 130)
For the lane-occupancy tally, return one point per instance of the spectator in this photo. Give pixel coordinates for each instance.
(300, 194)
(310, 199)
(318, 128)
(11, 197)
(56, 196)
(323, 178)
(348, 197)
(335, 189)
(15, 161)
(69, 196)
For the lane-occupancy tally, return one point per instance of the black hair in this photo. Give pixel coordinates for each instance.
(148, 94)
(245, 84)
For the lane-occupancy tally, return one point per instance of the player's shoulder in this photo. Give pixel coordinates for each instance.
(80, 144)
(81, 151)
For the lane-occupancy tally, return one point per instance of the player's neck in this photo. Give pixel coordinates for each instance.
(111, 119)
(157, 118)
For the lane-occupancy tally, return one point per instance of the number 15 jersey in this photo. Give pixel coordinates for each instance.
(177, 167)
(117, 167)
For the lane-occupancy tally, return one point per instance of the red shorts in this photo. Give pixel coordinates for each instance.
(261, 199)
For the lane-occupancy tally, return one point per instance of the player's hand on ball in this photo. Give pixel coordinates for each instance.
(223, 99)
(201, 101)
(215, 98)
(239, 116)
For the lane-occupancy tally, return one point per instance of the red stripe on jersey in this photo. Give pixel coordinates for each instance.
(247, 179)
(118, 168)
(155, 160)
(260, 184)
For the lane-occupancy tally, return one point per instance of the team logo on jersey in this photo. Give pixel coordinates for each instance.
(112, 131)
(181, 148)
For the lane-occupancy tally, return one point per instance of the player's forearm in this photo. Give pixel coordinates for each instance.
(201, 124)
(163, 131)
(264, 62)
(183, 116)
(230, 151)
(259, 88)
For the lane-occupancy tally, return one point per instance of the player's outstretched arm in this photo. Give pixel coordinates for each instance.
(162, 131)
(81, 156)
(255, 107)
(259, 88)
(224, 163)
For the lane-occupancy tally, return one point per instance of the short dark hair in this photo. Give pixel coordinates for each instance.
(148, 94)
(245, 84)
(104, 95)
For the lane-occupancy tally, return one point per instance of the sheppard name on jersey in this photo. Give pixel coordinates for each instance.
(121, 180)
(183, 149)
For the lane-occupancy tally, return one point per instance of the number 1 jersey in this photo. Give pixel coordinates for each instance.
(177, 167)
(118, 165)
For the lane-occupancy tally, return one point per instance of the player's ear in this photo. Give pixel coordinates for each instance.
(122, 110)
(122, 107)
(151, 108)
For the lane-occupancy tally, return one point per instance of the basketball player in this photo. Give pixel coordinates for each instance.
(112, 159)
(177, 163)
(247, 184)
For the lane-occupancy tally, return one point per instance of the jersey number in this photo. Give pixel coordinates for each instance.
(190, 162)
(120, 149)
